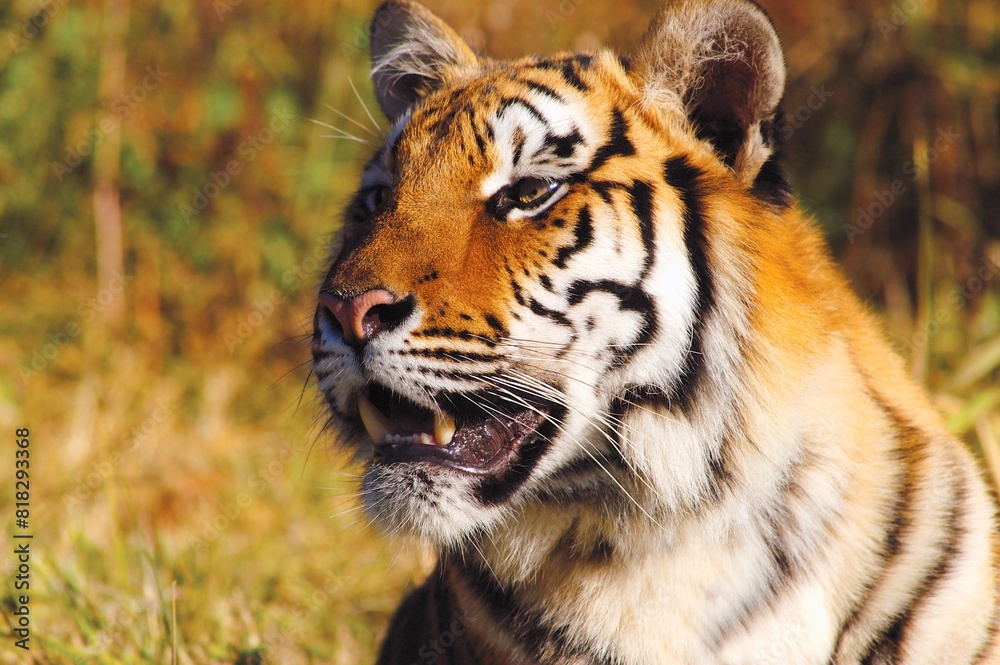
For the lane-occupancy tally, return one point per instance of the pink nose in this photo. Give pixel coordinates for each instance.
(360, 318)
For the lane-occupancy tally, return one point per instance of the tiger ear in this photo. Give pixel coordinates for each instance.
(719, 63)
(412, 52)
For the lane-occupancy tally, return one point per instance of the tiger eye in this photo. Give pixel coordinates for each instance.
(531, 192)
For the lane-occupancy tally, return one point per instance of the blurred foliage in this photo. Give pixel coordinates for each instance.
(166, 203)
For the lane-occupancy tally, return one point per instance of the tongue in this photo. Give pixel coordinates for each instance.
(481, 442)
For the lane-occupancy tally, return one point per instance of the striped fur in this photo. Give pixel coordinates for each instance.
(701, 449)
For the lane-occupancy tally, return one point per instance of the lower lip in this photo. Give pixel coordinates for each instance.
(391, 453)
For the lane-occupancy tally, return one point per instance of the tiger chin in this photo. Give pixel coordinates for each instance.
(592, 350)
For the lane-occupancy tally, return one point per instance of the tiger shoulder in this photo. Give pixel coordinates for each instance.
(588, 345)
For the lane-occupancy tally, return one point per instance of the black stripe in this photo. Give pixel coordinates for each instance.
(450, 355)
(784, 570)
(518, 293)
(618, 145)
(563, 146)
(558, 317)
(595, 464)
(896, 634)
(587, 480)
(497, 489)
(451, 333)
(584, 232)
(641, 198)
(630, 299)
(639, 397)
(726, 137)
(604, 187)
(480, 142)
(442, 125)
(582, 60)
(543, 89)
(994, 630)
(771, 184)
(527, 626)
(568, 72)
(887, 644)
(680, 174)
(777, 548)
(541, 310)
(722, 477)
(900, 522)
(494, 323)
(519, 139)
(511, 102)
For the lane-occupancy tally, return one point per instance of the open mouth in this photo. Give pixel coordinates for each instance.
(482, 435)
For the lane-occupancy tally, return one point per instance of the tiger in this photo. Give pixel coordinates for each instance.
(590, 349)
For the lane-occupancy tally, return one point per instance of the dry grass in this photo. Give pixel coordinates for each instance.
(208, 536)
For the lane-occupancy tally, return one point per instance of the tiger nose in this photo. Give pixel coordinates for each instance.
(363, 317)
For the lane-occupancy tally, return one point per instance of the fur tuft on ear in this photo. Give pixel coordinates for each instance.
(719, 64)
(412, 52)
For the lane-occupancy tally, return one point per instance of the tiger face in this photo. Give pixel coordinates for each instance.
(524, 260)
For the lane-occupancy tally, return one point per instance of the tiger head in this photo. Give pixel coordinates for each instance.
(527, 260)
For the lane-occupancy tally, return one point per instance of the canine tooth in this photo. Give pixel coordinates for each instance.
(444, 429)
(375, 421)
(426, 439)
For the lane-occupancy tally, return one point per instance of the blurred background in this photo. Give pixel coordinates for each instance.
(169, 177)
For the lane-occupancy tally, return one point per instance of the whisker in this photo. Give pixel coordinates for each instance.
(342, 134)
(353, 121)
(364, 105)
(338, 137)
(585, 449)
(603, 432)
